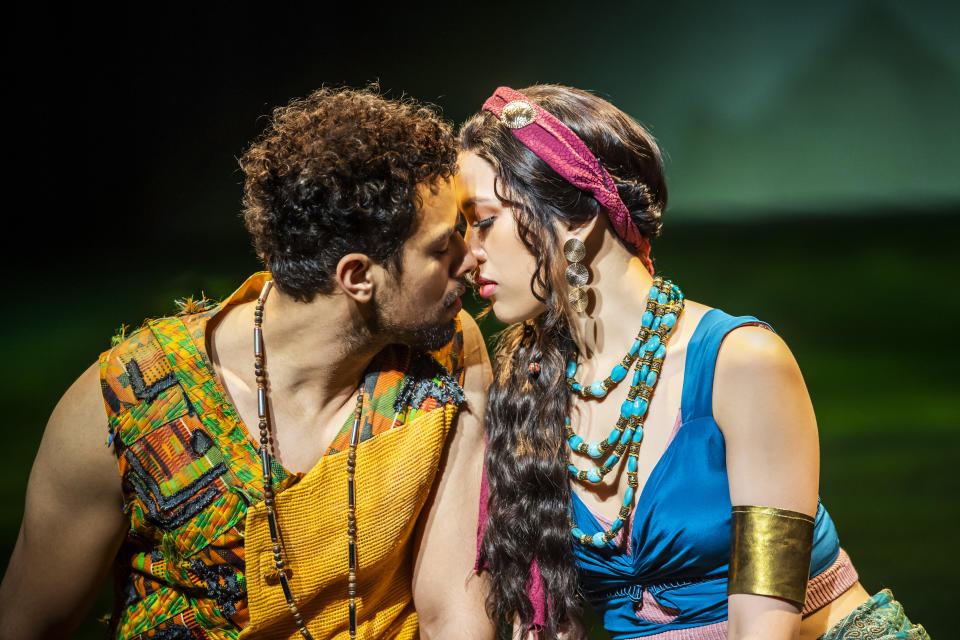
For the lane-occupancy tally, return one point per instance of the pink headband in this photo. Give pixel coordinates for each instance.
(558, 146)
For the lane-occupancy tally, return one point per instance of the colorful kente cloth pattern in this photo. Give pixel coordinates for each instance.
(190, 469)
(879, 618)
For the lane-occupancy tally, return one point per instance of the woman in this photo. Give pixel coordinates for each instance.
(680, 498)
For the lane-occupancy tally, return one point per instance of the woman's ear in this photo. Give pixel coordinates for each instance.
(581, 230)
(589, 232)
(354, 276)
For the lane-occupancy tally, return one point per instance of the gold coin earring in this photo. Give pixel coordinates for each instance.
(577, 274)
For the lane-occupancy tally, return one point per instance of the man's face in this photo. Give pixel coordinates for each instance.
(417, 307)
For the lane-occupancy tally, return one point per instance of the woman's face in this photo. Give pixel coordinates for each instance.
(506, 266)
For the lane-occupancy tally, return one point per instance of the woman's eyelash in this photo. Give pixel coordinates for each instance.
(483, 224)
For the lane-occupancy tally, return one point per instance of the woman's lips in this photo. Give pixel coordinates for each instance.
(487, 287)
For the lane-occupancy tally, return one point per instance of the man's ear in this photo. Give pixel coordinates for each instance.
(354, 276)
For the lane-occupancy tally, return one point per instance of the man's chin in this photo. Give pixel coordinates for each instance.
(430, 331)
(430, 337)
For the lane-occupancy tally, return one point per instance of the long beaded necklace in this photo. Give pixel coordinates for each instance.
(664, 306)
(282, 573)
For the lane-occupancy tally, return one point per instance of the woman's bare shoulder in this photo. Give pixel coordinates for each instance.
(693, 313)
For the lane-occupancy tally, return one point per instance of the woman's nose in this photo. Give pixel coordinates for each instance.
(468, 262)
(474, 244)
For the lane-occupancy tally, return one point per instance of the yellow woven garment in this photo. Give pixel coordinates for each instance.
(394, 474)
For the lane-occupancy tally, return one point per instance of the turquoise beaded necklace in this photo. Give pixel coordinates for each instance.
(664, 306)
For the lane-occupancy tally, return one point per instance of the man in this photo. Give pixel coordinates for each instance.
(342, 515)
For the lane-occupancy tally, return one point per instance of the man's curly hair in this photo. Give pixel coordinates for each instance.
(336, 173)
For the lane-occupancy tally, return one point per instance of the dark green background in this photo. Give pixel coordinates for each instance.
(811, 156)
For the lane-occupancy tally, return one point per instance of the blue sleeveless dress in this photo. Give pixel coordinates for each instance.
(680, 538)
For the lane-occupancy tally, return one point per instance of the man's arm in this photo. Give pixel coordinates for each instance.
(73, 523)
(448, 595)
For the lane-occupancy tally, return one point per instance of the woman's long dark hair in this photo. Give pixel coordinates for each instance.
(526, 459)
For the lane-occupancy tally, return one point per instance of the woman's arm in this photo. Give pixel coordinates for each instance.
(762, 407)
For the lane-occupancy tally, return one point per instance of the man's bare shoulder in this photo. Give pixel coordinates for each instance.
(76, 438)
(73, 520)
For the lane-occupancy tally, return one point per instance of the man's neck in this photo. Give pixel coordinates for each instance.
(315, 353)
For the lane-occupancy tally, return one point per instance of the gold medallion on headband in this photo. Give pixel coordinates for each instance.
(517, 114)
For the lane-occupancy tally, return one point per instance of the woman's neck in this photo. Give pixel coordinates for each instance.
(619, 286)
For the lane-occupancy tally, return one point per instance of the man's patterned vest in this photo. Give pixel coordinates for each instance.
(197, 557)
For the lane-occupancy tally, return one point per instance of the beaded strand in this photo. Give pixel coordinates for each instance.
(658, 320)
(352, 516)
(664, 306)
(282, 574)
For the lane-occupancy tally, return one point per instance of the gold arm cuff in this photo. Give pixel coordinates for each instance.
(770, 552)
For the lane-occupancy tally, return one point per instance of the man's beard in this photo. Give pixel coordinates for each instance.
(426, 335)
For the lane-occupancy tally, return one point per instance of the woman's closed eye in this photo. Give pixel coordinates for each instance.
(483, 224)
